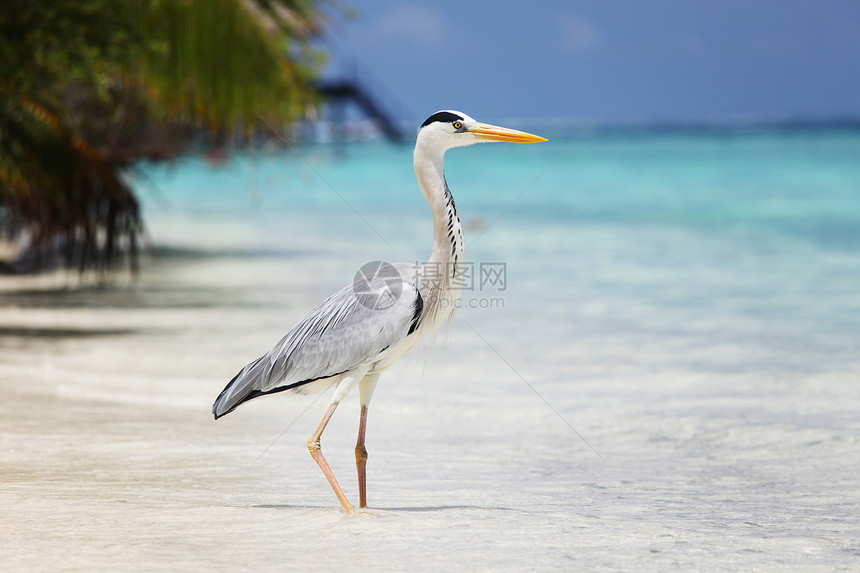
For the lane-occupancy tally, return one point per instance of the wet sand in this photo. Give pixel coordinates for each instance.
(111, 459)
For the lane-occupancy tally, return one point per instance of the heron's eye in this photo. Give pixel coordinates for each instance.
(457, 125)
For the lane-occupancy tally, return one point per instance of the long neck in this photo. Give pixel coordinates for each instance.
(448, 244)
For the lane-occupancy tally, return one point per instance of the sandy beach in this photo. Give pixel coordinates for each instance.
(111, 459)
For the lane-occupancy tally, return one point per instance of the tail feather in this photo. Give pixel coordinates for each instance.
(234, 393)
(246, 386)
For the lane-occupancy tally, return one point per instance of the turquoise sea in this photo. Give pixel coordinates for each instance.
(748, 235)
(660, 372)
(669, 375)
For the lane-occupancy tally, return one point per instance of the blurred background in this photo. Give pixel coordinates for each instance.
(659, 61)
(666, 378)
(93, 91)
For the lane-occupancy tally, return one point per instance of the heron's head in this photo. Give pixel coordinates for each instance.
(446, 129)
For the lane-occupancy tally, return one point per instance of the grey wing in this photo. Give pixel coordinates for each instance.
(344, 331)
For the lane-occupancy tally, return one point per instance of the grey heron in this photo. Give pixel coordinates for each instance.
(349, 339)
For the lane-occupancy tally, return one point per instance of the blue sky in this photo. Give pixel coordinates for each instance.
(614, 60)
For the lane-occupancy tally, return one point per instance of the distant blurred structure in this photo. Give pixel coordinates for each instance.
(358, 87)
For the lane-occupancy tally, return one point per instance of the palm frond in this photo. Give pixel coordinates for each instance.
(87, 87)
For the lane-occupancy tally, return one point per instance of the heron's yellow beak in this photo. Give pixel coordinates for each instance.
(489, 132)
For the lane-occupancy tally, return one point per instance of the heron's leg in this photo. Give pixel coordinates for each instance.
(365, 388)
(344, 386)
(361, 459)
(316, 454)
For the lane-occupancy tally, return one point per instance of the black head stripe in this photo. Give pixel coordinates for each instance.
(442, 116)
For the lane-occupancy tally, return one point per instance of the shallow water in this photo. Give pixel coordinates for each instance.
(670, 381)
